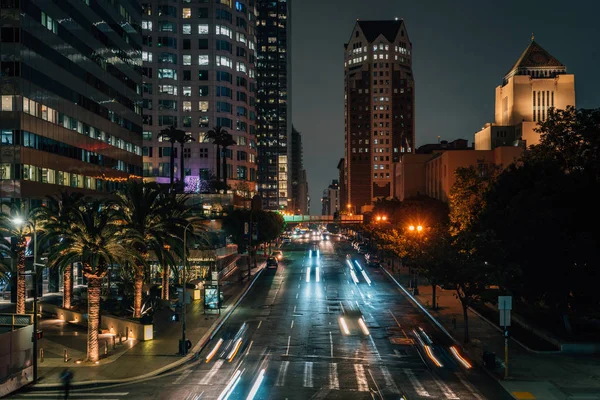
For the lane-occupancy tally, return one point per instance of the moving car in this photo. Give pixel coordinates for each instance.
(351, 321)
(272, 262)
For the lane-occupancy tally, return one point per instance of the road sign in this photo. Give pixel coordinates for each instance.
(504, 302)
(504, 318)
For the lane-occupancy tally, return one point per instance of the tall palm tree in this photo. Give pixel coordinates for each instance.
(146, 210)
(216, 134)
(56, 215)
(226, 141)
(17, 224)
(182, 140)
(171, 134)
(97, 239)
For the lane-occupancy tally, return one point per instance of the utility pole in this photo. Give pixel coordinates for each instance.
(183, 342)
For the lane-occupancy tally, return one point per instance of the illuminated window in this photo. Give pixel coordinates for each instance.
(203, 29)
(203, 106)
(187, 106)
(203, 60)
(187, 59)
(187, 13)
(186, 29)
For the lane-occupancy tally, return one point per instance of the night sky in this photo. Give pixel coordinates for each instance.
(461, 53)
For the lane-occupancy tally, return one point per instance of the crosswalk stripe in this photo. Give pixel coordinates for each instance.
(471, 388)
(282, 372)
(213, 371)
(361, 378)
(416, 384)
(389, 381)
(445, 389)
(181, 377)
(334, 381)
(308, 379)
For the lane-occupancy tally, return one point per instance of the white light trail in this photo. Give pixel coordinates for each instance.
(366, 277)
(230, 386)
(256, 385)
(432, 357)
(317, 274)
(235, 349)
(460, 358)
(214, 350)
(358, 264)
(344, 326)
(353, 275)
(308, 275)
(363, 326)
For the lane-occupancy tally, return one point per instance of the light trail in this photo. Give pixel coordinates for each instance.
(256, 385)
(363, 326)
(214, 350)
(235, 349)
(460, 358)
(317, 274)
(308, 275)
(235, 379)
(432, 356)
(344, 326)
(366, 277)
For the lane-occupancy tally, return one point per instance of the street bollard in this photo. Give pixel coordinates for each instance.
(66, 356)
(105, 347)
(41, 355)
(120, 338)
(114, 342)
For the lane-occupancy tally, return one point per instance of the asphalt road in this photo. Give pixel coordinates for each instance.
(292, 344)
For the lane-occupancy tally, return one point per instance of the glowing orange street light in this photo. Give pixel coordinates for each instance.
(411, 228)
(379, 218)
(384, 218)
(418, 228)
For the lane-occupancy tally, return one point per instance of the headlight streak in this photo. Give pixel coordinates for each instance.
(256, 385)
(214, 350)
(419, 338)
(344, 326)
(366, 277)
(230, 385)
(317, 274)
(429, 341)
(432, 357)
(354, 278)
(460, 358)
(358, 265)
(235, 349)
(308, 274)
(363, 326)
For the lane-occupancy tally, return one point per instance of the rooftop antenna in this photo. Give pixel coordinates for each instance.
(532, 36)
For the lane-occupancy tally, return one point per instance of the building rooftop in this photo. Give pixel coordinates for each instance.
(535, 57)
(372, 29)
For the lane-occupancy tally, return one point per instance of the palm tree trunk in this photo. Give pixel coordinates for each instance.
(165, 282)
(94, 286)
(21, 291)
(67, 286)
(172, 165)
(218, 163)
(182, 172)
(137, 294)
(225, 169)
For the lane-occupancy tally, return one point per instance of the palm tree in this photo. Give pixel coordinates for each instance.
(171, 134)
(182, 140)
(97, 239)
(216, 134)
(146, 210)
(226, 141)
(17, 224)
(56, 216)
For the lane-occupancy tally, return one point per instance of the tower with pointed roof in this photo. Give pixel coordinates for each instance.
(379, 103)
(534, 84)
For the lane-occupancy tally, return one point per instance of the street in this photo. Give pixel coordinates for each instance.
(286, 341)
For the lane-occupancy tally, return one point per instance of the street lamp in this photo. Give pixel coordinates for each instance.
(414, 282)
(182, 343)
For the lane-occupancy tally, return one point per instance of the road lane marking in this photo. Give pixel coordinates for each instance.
(249, 347)
(471, 388)
(296, 295)
(294, 309)
(334, 381)
(292, 325)
(259, 324)
(398, 323)
(375, 347)
(389, 381)
(287, 352)
(445, 389)
(374, 381)
(282, 373)
(213, 371)
(308, 379)
(361, 378)
(415, 382)
(331, 343)
(181, 377)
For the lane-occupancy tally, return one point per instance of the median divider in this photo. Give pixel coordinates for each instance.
(194, 352)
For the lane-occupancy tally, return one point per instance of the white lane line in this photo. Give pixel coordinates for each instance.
(259, 324)
(182, 376)
(415, 382)
(361, 378)
(287, 351)
(292, 325)
(375, 347)
(389, 381)
(331, 343)
(308, 379)
(334, 381)
(471, 388)
(296, 295)
(298, 286)
(249, 347)
(294, 309)
(282, 373)
(445, 389)
(213, 371)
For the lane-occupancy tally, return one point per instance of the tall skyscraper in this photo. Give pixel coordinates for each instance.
(379, 109)
(274, 124)
(299, 185)
(71, 94)
(199, 73)
(535, 83)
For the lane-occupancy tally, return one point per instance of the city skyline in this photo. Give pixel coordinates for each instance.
(487, 47)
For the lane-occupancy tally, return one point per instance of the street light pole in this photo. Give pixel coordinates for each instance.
(182, 343)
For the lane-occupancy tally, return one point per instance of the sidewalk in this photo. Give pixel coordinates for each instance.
(133, 358)
(532, 375)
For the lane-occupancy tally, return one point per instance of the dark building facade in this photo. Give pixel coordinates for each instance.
(298, 192)
(71, 96)
(274, 123)
(379, 109)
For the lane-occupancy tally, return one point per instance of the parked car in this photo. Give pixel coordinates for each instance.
(272, 262)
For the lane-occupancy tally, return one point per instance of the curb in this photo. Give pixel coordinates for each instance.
(194, 352)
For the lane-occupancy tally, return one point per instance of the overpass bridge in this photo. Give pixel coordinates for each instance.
(323, 219)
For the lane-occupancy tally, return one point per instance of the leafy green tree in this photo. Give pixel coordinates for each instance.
(97, 239)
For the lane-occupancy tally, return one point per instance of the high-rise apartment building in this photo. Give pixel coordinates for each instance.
(379, 109)
(71, 96)
(299, 185)
(274, 124)
(199, 73)
(535, 83)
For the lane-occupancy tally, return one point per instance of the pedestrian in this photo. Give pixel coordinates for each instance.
(66, 377)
